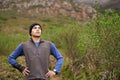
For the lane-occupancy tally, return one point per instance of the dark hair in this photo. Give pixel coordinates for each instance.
(32, 25)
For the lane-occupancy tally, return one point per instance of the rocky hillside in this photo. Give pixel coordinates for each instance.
(48, 7)
(73, 8)
(113, 4)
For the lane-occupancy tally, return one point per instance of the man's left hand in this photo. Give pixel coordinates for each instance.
(50, 74)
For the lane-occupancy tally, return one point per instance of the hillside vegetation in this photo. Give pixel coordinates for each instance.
(91, 47)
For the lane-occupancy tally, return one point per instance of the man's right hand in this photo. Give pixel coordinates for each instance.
(25, 72)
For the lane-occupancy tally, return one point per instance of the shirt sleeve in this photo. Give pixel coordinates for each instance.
(58, 56)
(16, 53)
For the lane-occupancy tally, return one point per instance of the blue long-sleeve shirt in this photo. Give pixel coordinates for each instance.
(54, 51)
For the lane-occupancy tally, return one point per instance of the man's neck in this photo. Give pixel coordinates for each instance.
(36, 39)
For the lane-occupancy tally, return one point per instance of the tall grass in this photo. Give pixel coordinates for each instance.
(10, 42)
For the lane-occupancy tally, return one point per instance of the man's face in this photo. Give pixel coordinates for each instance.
(36, 31)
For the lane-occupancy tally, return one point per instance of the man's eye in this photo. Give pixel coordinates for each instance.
(34, 28)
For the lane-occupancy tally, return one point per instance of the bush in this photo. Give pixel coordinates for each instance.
(95, 51)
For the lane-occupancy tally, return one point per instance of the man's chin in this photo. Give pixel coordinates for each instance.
(36, 36)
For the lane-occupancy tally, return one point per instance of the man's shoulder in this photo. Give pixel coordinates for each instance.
(26, 42)
(47, 42)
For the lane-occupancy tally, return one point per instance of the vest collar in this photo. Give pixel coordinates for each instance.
(41, 41)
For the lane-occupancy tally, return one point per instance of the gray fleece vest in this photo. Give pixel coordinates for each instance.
(37, 59)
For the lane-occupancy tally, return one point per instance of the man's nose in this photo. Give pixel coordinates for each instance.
(38, 29)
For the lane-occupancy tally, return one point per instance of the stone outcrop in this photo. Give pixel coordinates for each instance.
(49, 7)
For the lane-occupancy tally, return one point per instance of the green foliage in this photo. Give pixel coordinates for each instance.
(3, 18)
(109, 31)
(70, 38)
(46, 20)
(97, 46)
(102, 53)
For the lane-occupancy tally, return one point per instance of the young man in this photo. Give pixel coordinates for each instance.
(37, 53)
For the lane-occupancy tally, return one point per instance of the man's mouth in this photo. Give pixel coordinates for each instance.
(37, 32)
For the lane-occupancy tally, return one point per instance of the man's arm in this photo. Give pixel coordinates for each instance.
(14, 55)
(59, 58)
